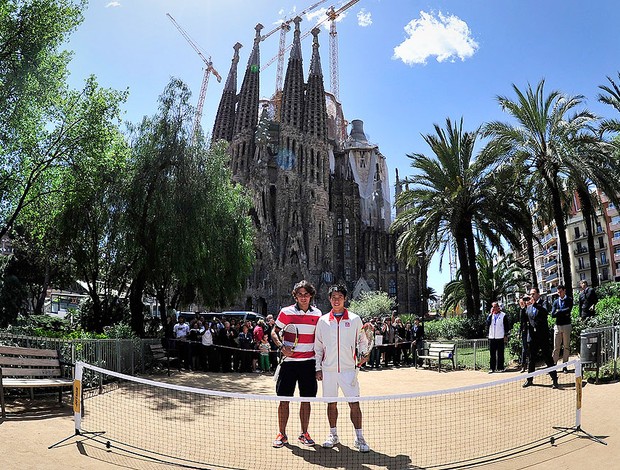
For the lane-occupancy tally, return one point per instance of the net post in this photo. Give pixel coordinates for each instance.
(77, 396)
(578, 395)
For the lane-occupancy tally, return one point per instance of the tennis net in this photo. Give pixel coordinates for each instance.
(213, 429)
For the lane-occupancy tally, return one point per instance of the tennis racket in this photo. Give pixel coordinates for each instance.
(289, 336)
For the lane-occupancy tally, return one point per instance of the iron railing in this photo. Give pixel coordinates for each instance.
(127, 356)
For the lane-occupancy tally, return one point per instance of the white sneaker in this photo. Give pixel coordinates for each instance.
(361, 445)
(331, 441)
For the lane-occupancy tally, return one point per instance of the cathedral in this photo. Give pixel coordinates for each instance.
(321, 198)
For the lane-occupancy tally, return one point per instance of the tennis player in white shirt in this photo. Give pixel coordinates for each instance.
(340, 347)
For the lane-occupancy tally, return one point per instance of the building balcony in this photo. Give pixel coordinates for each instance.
(616, 256)
(583, 267)
(551, 277)
(550, 264)
(581, 250)
(611, 211)
(614, 227)
(549, 238)
(602, 263)
(581, 236)
(615, 241)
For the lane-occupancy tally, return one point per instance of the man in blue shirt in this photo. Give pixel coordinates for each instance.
(561, 310)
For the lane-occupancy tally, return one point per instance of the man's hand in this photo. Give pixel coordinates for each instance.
(362, 360)
(319, 375)
(287, 351)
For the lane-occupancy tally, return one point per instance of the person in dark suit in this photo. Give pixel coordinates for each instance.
(417, 337)
(538, 330)
(587, 300)
(561, 309)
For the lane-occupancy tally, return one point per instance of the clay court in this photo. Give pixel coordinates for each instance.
(28, 431)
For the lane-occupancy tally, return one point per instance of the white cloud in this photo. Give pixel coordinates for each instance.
(446, 37)
(113, 5)
(321, 15)
(364, 18)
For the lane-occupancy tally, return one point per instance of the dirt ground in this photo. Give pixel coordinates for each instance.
(30, 428)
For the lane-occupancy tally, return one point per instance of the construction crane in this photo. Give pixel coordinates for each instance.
(209, 69)
(334, 75)
(284, 28)
(332, 15)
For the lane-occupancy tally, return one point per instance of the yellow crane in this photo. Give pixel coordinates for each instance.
(209, 69)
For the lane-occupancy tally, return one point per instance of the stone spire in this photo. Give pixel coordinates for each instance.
(225, 117)
(315, 111)
(293, 90)
(247, 111)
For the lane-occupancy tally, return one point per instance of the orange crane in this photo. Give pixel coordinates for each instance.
(209, 69)
(334, 75)
(284, 28)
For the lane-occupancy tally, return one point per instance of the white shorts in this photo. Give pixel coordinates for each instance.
(346, 380)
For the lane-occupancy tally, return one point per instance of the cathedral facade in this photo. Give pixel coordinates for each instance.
(321, 198)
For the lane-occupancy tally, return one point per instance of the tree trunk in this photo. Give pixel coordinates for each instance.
(40, 303)
(558, 216)
(473, 269)
(587, 210)
(461, 250)
(136, 306)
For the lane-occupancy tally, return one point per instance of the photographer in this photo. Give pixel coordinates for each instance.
(523, 331)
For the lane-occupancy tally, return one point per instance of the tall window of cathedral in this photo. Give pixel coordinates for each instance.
(377, 173)
(347, 247)
(295, 218)
(347, 274)
(347, 230)
(243, 149)
(316, 255)
(339, 227)
(392, 287)
(363, 162)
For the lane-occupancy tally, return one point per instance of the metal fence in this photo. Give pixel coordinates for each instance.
(472, 353)
(609, 346)
(127, 356)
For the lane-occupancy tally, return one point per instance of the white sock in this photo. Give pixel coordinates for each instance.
(333, 431)
(358, 434)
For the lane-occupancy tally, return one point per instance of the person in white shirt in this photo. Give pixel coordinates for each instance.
(338, 342)
(499, 327)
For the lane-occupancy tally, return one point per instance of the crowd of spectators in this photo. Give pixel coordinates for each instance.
(217, 345)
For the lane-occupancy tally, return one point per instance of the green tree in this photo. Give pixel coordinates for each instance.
(545, 140)
(33, 71)
(373, 304)
(187, 225)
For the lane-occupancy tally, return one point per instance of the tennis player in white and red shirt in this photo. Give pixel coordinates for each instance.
(298, 365)
(341, 347)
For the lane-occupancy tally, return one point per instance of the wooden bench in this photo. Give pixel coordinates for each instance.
(435, 351)
(30, 368)
(162, 356)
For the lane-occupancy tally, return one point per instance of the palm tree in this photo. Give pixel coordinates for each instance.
(612, 98)
(453, 195)
(497, 281)
(545, 141)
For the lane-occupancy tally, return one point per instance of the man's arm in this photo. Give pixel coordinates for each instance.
(319, 350)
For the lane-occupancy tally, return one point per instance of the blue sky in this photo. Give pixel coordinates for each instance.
(404, 64)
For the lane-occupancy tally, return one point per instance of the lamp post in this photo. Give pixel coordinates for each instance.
(420, 256)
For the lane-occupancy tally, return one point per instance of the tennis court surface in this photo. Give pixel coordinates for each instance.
(502, 424)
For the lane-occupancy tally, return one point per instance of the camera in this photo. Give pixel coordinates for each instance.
(526, 298)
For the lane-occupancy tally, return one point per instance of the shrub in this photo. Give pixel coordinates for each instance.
(460, 327)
